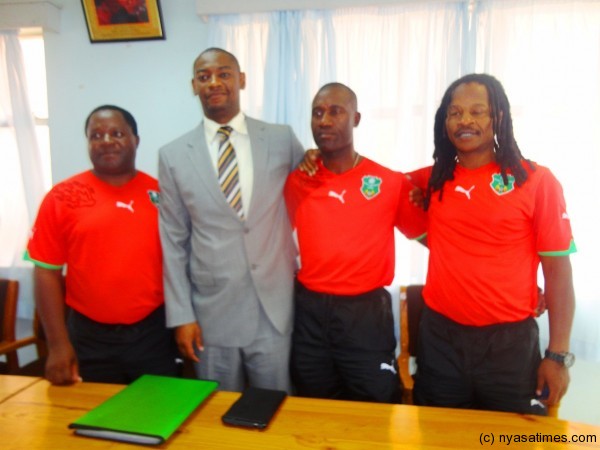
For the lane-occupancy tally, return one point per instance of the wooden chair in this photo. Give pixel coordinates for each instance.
(9, 295)
(411, 307)
(9, 344)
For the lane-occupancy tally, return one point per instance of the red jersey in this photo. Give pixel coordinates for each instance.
(108, 238)
(345, 226)
(485, 239)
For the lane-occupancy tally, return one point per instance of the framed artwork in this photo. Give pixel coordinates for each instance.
(123, 20)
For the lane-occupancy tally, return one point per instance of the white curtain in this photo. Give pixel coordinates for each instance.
(399, 60)
(384, 54)
(547, 55)
(21, 172)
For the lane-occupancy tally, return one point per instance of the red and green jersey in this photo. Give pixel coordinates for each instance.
(485, 240)
(344, 226)
(108, 239)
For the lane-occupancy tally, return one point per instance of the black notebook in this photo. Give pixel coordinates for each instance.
(254, 408)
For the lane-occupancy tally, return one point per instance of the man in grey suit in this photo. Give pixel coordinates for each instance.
(229, 257)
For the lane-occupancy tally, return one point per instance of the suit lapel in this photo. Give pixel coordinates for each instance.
(259, 144)
(201, 162)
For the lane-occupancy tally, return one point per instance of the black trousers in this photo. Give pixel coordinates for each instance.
(121, 353)
(491, 367)
(343, 347)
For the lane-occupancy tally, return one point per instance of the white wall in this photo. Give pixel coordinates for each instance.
(151, 79)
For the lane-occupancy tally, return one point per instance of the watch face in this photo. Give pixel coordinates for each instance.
(569, 359)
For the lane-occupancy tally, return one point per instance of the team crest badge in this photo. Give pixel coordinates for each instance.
(154, 197)
(371, 186)
(498, 185)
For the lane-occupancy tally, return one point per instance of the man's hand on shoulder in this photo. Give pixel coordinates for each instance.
(417, 197)
(309, 164)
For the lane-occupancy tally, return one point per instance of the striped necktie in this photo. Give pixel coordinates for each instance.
(228, 172)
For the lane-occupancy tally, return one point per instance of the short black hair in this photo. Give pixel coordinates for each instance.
(219, 50)
(126, 115)
(336, 84)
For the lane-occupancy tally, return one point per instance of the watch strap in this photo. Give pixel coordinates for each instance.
(565, 358)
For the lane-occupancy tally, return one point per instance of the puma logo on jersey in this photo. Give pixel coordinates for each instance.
(340, 197)
(128, 206)
(465, 191)
(386, 366)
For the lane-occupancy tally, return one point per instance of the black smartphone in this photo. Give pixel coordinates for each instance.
(254, 408)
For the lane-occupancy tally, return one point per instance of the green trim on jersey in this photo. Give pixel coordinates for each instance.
(420, 238)
(26, 257)
(572, 249)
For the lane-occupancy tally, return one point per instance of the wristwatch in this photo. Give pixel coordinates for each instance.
(566, 359)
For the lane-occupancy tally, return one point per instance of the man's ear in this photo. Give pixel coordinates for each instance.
(356, 118)
(242, 80)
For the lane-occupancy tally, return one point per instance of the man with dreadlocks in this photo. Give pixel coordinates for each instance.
(493, 217)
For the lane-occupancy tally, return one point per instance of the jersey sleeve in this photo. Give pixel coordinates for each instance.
(551, 222)
(298, 186)
(411, 220)
(47, 247)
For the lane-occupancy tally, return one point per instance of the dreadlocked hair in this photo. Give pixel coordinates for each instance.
(508, 154)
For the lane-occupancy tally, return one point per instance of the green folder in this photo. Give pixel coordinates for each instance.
(147, 411)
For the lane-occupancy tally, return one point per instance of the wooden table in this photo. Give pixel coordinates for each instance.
(36, 417)
(12, 384)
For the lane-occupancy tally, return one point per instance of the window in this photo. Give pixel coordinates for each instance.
(25, 145)
(400, 60)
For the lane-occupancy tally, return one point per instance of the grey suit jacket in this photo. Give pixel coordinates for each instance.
(218, 269)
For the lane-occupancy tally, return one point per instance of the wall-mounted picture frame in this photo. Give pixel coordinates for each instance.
(123, 20)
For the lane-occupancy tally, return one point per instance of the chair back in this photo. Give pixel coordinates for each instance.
(9, 295)
(9, 344)
(35, 368)
(414, 306)
(411, 307)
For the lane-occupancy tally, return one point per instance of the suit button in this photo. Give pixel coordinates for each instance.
(253, 266)
(246, 230)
